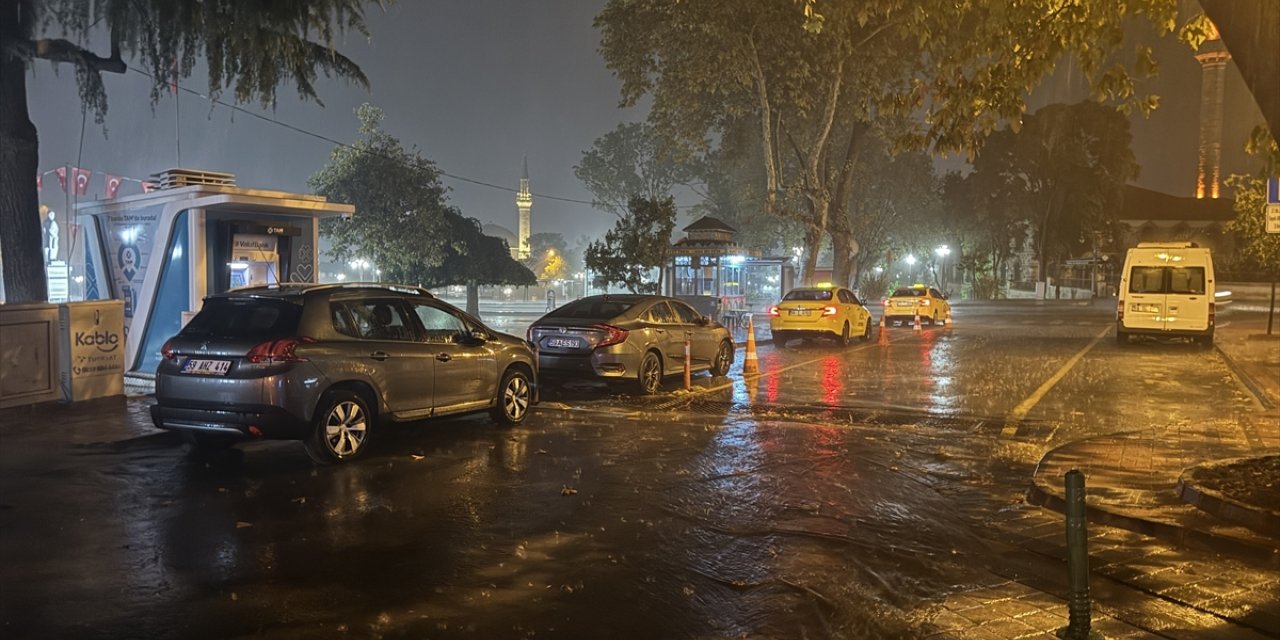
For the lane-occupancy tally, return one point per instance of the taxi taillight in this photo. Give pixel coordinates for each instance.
(773, 311)
(924, 302)
(829, 311)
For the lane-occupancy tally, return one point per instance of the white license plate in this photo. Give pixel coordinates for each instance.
(797, 312)
(206, 367)
(565, 343)
(1145, 308)
(906, 303)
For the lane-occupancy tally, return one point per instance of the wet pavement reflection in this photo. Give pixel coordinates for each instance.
(837, 494)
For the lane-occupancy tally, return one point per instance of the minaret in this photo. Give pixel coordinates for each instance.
(1213, 58)
(524, 202)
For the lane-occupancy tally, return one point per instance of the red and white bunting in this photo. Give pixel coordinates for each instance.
(82, 180)
(113, 186)
(148, 186)
(62, 177)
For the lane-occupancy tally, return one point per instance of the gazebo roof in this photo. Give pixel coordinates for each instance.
(708, 223)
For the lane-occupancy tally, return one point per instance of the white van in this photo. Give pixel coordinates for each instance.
(1166, 290)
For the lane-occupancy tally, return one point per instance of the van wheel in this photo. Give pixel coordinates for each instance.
(340, 430)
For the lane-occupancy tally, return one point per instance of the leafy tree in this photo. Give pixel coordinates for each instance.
(1065, 170)
(986, 227)
(630, 161)
(1258, 246)
(638, 243)
(402, 221)
(965, 67)
(249, 48)
(548, 256)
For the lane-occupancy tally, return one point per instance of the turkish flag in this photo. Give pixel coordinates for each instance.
(82, 180)
(39, 182)
(148, 187)
(113, 186)
(62, 177)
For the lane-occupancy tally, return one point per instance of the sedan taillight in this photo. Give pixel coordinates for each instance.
(829, 311)
(924, 303)
(615, 335)
(773, 311)
(277, 351)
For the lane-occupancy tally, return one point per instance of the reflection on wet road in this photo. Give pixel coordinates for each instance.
(838, 494)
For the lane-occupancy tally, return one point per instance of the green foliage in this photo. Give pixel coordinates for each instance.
(403, 222)
(638, 243)
(630, 161)
(1257, 246)
(248, 47)
(1063, 173)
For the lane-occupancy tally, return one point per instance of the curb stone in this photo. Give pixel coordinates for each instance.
(1262, 520)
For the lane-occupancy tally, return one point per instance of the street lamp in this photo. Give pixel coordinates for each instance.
(942, 252)
(911, 263)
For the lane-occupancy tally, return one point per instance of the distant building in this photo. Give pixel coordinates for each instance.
(1151, 216)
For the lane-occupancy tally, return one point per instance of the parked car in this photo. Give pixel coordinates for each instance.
(630, 337)
(325, 363)
(822, 311)
(906, 303)
(1167, 290)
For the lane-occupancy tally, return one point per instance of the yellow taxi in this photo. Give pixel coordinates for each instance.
(906, 302)
(821, 311)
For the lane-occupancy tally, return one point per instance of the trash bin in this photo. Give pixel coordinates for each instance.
(92, 349)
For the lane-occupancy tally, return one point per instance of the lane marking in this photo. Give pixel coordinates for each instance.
(1019, 412)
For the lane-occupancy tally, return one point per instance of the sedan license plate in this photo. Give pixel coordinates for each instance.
(564, 343)
(206, 367)
(906, 303)
(797, 312)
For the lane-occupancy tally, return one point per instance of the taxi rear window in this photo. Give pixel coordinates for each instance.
(808, 294)
(907, 292)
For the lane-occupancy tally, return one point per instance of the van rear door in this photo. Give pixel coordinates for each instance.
(1185, 303)
(1145, 302)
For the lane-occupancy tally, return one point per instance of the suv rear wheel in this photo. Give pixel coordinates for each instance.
(340, 429)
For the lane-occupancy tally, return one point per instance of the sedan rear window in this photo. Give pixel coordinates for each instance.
(908, 292)
(245, 318)
(808, 294)
(592, 309)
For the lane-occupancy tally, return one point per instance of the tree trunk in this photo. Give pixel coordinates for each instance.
(812, 244)
(473, 298)
(843, 249)
(24, 275)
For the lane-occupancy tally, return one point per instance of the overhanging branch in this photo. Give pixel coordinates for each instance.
(59, 50)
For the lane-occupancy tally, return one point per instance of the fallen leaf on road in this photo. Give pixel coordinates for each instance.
(243, 525)
(416, 456)
(567, 490)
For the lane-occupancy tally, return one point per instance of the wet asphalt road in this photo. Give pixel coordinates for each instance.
(836, 495)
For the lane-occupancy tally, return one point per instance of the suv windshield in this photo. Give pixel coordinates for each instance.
(245, 318)
(592, 309)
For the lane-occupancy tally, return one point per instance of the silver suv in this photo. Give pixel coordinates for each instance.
(324, 363)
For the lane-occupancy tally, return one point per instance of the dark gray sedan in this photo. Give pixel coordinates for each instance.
(640, 338)
(324, 363)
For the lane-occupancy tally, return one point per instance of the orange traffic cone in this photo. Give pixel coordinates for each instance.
(882, 321)
(750, 364)
(916, 326)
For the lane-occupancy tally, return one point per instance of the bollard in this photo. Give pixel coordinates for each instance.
(1078, 605)
(688, 382)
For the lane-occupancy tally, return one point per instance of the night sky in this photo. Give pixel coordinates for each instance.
(476, 86)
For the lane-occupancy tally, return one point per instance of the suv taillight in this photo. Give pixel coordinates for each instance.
(277, 351)
(167, 349)
(615, 336)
